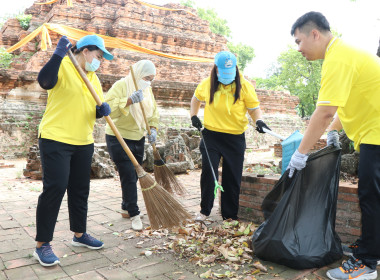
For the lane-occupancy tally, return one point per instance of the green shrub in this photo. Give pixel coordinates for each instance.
(24, 20)
(5, 59)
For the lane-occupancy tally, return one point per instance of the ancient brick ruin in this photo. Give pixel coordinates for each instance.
(22, 101)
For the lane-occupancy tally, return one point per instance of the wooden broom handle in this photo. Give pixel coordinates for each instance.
(99, 103)
(141, 106)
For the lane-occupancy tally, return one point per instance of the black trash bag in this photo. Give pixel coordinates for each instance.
(299, 226)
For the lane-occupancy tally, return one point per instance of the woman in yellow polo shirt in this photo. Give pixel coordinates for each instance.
(124, 100)
(228, 97)
(66, 142)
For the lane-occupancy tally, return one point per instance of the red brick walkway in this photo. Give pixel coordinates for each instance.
(120, 259)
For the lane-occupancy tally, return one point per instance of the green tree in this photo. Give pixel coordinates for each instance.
(244, 54)
(24, 20)
(188, 3)
(217, 24)
(297, 75)
(302, 78)
(5, 59)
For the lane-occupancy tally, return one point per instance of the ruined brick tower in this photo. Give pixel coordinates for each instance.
(178, 33)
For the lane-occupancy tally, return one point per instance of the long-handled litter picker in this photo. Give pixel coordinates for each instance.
(217, 186)
(163, 210)
(164, 176)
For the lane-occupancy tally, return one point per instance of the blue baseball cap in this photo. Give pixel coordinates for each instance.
(96, 41)
(226, 63)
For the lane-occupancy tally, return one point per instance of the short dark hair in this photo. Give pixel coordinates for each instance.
(309, 21)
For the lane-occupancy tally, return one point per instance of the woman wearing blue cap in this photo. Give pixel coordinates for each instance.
(66, 142)
(228, 97)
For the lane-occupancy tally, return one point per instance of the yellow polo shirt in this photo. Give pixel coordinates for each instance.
(70, 110)
(222, 115)
(123, 120)
(351, 81)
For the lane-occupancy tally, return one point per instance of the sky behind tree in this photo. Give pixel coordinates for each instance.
(265, 24)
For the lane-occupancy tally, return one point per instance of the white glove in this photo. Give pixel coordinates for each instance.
(137, 96)
(333, 138)
(152, 137)
(298, 161)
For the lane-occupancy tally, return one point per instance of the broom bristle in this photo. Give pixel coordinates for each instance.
(163, 210)
(165, 177)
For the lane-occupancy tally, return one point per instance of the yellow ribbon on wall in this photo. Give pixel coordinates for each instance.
(110, 42)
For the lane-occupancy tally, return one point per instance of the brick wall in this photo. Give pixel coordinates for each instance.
(319, 145)
(254, 189)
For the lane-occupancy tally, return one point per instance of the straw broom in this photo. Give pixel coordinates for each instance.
(163, 210)
(164, 176)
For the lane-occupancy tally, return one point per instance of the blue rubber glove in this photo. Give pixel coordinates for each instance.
(63, 46)
(137, 96)
(103, 109)
(153, 136)
(333, 138)
(298, 161)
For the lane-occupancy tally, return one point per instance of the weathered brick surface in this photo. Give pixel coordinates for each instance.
(319, 145)
(176, 33)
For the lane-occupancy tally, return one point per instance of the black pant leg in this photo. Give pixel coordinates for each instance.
(233, 148)
(369, 200)
(55, 161)
(127, 172)
(79, 187)
(207, 179)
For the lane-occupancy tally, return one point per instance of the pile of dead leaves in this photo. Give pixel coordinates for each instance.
(223, 249)
(227, 244)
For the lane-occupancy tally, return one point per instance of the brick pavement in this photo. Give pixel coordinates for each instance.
(121, 257)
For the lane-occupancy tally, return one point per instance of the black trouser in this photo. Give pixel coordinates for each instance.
(65, 167)
(127, 172)
(231, 147)
(369, 199)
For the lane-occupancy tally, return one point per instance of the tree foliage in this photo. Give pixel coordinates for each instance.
(24, 20)
(297, 75)
(188, 3)
(244, 54)
(217, 24)
(5, 59)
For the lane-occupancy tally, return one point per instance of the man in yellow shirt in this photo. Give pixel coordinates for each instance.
(350, 87)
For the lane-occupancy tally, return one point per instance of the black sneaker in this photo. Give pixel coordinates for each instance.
(348, 250)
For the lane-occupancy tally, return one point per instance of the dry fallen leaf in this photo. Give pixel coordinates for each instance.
(209, 259)
(258, 265)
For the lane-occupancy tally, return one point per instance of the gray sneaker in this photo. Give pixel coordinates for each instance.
(352, 269)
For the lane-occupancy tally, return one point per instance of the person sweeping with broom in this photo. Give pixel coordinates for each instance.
(228, 97)
(127, 116)
(66, 143)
